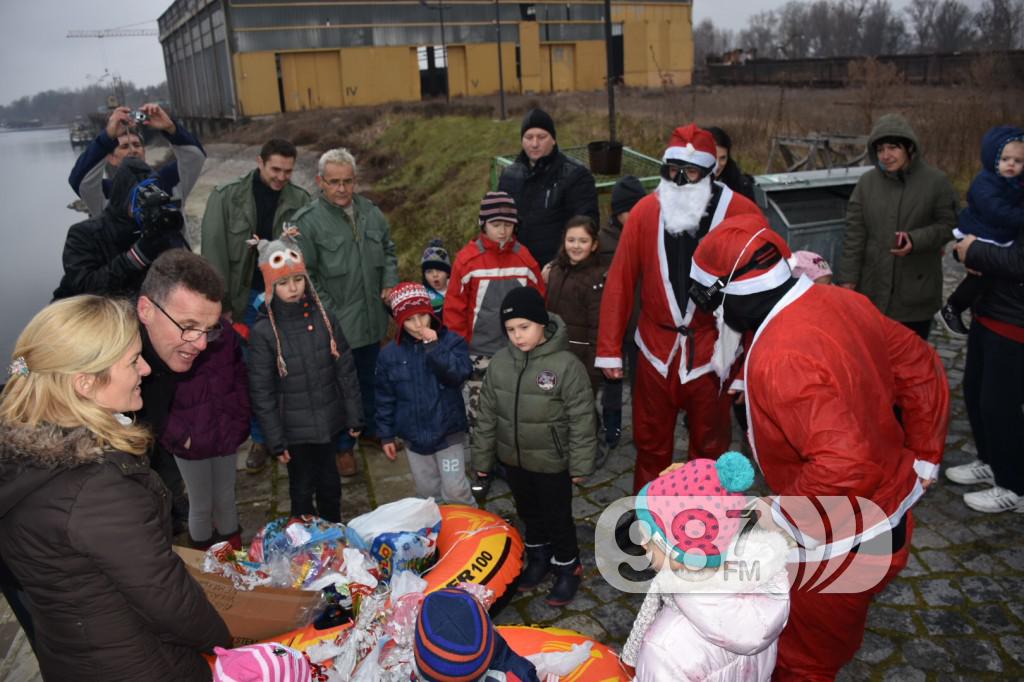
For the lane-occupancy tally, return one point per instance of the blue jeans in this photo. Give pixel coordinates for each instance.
(365, 358)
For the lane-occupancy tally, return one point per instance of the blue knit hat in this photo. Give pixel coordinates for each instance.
(454, 637)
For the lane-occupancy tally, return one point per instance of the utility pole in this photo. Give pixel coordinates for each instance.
(501, 70)
(609, 65)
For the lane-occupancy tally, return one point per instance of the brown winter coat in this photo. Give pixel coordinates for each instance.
(574, 293)
(87, 532)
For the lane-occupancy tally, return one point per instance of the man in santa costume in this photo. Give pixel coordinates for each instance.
(682, 363)
(848, 412)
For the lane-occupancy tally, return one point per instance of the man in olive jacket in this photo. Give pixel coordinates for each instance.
(257, 203)
(900, 214)
(351, 261)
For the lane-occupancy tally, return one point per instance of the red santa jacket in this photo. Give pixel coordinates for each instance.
(640, 257)
(822, 376)
(482, 274)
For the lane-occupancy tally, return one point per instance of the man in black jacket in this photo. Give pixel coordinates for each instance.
(548, 186)
(108, 255)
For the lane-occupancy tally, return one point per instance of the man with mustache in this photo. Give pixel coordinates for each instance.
(685, 357)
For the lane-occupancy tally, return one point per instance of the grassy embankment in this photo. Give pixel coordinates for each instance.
(427, 165)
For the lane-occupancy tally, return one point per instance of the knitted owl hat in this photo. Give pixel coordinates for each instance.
(687, 509)
(279, 259)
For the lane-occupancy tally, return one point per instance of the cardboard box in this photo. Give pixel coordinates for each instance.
(252, 616)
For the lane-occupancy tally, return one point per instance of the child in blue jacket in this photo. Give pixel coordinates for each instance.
(994, 213)
(419, 381)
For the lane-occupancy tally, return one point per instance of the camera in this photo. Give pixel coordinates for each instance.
(138, 117)
(154, 209)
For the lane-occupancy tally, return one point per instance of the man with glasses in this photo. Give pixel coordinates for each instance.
(351, 260)
(683, 360)
(179, 309)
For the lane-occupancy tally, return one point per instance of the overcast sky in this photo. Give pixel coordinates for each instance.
(38, 57)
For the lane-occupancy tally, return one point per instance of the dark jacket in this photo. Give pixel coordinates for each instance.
(918, 200)
(419, 390)
(319, 396)
(736, 180)
(96, 259)
(210, 413)
(157, 388)
(547, 195)
(1004, 268)
(109, 599)
(537, 410)
(176, 178)
(574, 292)
(995, 205)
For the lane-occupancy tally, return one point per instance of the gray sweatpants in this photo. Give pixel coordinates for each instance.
(442, 475)
(211, 495)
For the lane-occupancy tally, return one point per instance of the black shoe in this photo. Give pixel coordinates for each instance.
(624, 541)
(538, 564)
(567, 581)
(951, 320)
(479, 487)
(612, 421)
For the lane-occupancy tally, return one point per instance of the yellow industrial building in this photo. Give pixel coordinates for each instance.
(228, 59)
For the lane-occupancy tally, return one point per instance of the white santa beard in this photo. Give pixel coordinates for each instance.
(682, 206)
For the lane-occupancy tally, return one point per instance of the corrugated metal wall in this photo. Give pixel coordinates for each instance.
(198, 60)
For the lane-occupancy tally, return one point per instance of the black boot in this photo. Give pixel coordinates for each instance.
(567, 580)
(538, 563)
(612, 420)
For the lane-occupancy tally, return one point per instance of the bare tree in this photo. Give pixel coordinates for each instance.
(922, 23)
(882, 30)
(1000, 24)
(710, 42)
(953, 29)
(761, 34)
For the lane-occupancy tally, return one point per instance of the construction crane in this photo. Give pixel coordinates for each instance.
(114, 33)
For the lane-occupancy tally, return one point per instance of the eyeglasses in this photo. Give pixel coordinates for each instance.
(338, 182)
(191, 334)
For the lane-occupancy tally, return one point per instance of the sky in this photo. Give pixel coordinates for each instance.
(39, 57)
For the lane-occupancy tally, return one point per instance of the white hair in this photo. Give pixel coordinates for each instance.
(339, 156)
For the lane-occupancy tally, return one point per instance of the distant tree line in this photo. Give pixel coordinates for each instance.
(64, 105)
(846, 28)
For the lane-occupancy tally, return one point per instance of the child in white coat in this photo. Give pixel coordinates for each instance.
(720, 599)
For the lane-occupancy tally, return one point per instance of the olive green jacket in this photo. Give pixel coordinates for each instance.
(918, 200)
(229, 220)
(537, 410)
(350, 264)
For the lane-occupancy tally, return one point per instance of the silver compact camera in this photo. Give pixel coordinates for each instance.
(138, 117)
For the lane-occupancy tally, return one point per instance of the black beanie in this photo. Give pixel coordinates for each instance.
(626, 193)
(538, 118)
(524, 302)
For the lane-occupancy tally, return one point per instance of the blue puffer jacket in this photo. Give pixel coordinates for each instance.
(995, 205)
(419, 390)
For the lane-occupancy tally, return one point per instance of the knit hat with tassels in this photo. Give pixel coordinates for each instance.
(279, 259)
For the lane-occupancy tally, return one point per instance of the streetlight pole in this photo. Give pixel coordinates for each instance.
(610, 66)
(501, 70)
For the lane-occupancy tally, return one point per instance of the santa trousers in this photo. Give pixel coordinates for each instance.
(657, 401)
(826, 630)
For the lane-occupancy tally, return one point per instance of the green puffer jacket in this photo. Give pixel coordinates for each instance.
(919, 200)
(229, 220)
(350, 264)
(537, 409)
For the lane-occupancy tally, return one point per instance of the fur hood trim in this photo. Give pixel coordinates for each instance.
(48, 447)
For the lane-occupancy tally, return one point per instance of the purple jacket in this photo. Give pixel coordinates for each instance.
(211, 411)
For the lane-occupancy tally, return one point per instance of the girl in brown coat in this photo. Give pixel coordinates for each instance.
(575, 284)
(85, 524)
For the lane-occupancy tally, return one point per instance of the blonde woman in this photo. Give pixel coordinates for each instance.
(84, 522)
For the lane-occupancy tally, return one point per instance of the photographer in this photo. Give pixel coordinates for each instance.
(122, 139)
(108, 255)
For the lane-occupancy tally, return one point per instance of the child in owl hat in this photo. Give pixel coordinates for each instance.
(302, 379)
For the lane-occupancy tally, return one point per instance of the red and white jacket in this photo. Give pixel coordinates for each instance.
(483, 272)
(822, 376)
(640, 257)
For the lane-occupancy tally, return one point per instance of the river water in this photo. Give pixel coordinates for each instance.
(34, 220)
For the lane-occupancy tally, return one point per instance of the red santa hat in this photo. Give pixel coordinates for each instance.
(735, 252)
(692, 145)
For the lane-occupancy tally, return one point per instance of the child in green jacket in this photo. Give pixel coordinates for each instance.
(537, 417)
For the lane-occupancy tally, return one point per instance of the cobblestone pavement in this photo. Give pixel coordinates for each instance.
(955, 613)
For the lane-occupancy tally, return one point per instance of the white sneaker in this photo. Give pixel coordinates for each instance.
(994, 500)
(973, 472)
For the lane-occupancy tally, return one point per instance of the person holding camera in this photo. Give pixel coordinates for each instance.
(108, 255)
(123, 139)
